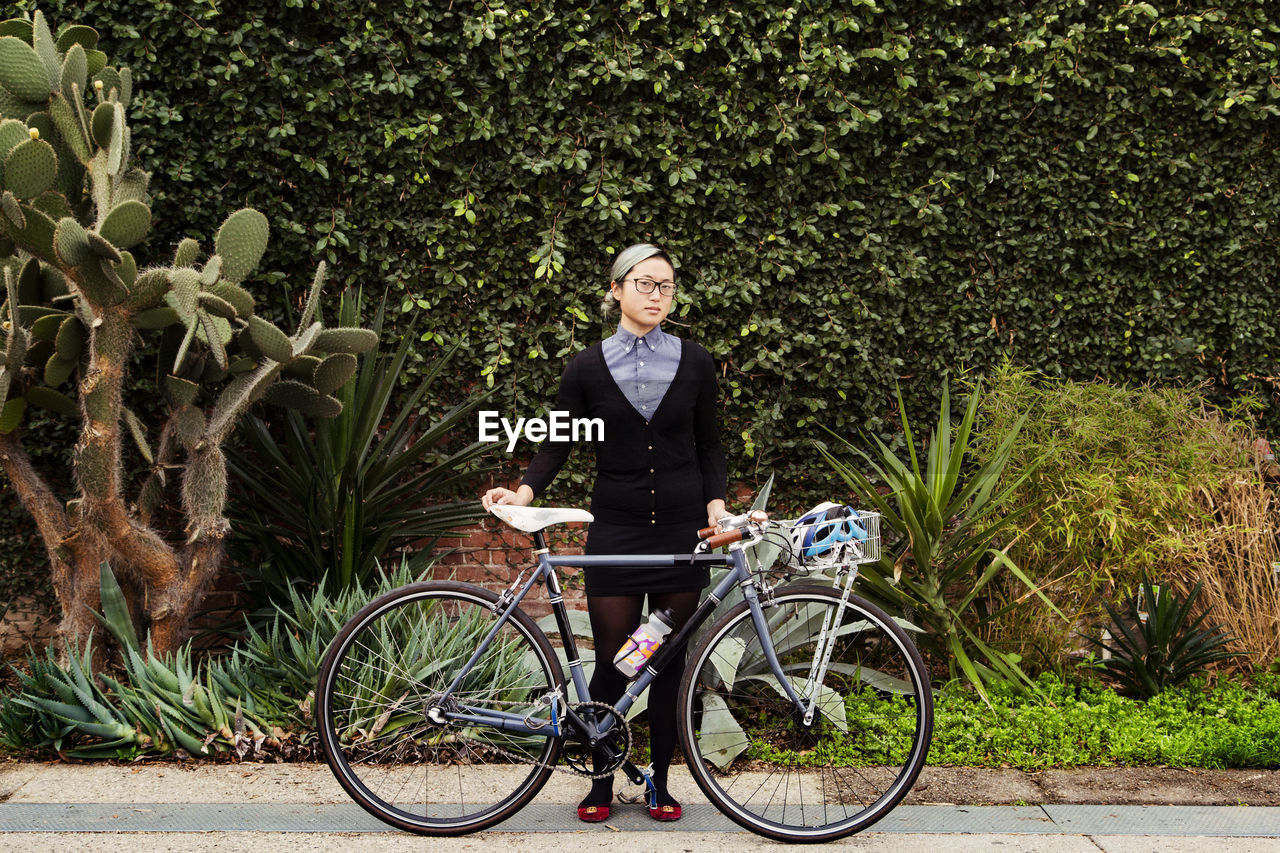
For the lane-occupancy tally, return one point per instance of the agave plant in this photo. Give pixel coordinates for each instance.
(332, 499)
(1158, 648)
(949, 520)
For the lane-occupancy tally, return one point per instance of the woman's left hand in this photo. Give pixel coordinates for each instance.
(715, 512)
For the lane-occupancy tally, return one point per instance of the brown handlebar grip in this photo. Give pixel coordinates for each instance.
(726, 538)
(705, 532)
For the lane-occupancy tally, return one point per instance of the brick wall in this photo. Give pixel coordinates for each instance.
(492, 553)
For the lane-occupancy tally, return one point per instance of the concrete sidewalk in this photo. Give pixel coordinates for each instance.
(171, 806)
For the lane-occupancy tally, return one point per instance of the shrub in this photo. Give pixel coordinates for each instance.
(1126, 482)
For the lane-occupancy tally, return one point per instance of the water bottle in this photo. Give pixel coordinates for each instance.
(642, 644)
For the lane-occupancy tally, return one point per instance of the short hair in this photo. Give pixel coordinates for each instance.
(623, 263)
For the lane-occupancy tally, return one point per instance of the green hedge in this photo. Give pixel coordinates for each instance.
(858, 194)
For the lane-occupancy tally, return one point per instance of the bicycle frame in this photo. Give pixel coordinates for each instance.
(739, 575)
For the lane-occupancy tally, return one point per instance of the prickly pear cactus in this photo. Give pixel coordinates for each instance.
(74, 206)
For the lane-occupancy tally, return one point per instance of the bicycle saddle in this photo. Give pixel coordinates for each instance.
(533, 518)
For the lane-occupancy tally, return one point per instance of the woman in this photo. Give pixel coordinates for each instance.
(660, 476)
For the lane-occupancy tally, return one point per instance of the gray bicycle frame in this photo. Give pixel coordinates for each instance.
(521, 724)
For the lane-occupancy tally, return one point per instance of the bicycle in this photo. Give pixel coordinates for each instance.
(804, 714)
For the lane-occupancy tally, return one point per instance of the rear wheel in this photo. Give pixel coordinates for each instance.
(383, 725)
(748, 746)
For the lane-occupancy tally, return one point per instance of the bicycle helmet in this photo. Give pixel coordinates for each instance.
(820, 532)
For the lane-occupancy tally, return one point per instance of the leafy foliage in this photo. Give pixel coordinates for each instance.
(1158, 648)
(857, 192)
(336, 497)
(1126, 481)
(949, 517)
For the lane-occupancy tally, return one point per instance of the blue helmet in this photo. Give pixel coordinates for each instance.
(820, 531)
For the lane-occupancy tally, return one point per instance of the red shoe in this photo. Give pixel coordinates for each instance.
(665, 812)
(593, 814)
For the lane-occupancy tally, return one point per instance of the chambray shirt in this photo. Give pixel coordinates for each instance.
(642, 367)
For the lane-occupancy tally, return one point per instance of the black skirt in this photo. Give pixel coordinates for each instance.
(605, 538)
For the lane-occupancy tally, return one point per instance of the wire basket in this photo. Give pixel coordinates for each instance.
(855, 543)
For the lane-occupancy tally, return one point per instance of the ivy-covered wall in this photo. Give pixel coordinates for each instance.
(858, 194)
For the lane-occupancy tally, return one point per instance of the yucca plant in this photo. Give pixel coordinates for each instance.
(1158, 648)
(328, 500)
(948, 520)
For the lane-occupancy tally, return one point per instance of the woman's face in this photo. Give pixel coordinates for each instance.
(641, 312)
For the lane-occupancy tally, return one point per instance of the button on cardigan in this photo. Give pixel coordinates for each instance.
(648, 472)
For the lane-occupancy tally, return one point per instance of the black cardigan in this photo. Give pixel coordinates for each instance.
(660, 471)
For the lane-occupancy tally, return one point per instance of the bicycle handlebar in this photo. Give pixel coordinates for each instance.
(726, 538)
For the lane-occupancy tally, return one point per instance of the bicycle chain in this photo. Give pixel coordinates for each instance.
(626, 730)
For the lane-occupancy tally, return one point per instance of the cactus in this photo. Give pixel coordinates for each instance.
(30, 169)
(126, 225)
(22, 71)
(72, 206)
(241, 241)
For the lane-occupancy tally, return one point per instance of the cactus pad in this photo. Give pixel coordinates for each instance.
(295, 395)
(212, 271)
(75, 71)
(217, 307)
(116, 151)
(71, 339)
(241, 241)
(30, 168)
(303, 367)
(58, 370)
(36, 233)
(71, 242)
(11, 414)
(353, 341)
(46, 328)
(12, 133)
(13, 211)
(102, 248)
(270, 341)
(103, 117)
(179, 391)
(86, 37)
(29, 283)
(127, 224)
(53, 401)
(22, 72)
(46, 49)
(156, 318)
(19, 27)
(187, 253)
(239, 298)
(68, 124)
(133, 186)
(332, 373)
(186, 291)
(148, 289)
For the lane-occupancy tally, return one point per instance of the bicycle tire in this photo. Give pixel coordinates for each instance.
(380, 676)
(746, 746)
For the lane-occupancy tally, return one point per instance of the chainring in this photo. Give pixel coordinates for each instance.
(580, 756)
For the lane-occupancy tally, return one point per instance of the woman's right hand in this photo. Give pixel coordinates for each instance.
(498, 495)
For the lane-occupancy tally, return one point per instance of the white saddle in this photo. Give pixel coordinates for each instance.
(534, 518)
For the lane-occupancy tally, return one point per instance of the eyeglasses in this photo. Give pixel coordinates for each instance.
(646, 285)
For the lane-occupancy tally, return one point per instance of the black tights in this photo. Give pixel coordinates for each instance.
(613, 618)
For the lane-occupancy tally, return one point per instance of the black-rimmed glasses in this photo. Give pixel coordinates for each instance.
(647, 285)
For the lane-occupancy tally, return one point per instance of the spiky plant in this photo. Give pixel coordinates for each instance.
(72, 205)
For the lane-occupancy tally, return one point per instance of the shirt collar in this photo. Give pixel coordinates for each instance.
(652, 341)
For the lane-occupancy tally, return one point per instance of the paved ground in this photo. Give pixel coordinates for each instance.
(266, 807)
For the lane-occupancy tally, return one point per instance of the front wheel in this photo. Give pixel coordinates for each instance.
(398, 745)
(748, 746)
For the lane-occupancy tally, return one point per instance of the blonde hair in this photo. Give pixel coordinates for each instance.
(622, 264)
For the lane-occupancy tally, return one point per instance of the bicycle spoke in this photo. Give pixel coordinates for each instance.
(379, 683)
(750, 749)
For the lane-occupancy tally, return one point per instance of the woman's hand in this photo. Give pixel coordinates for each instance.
(715, 512)
(522, 496)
